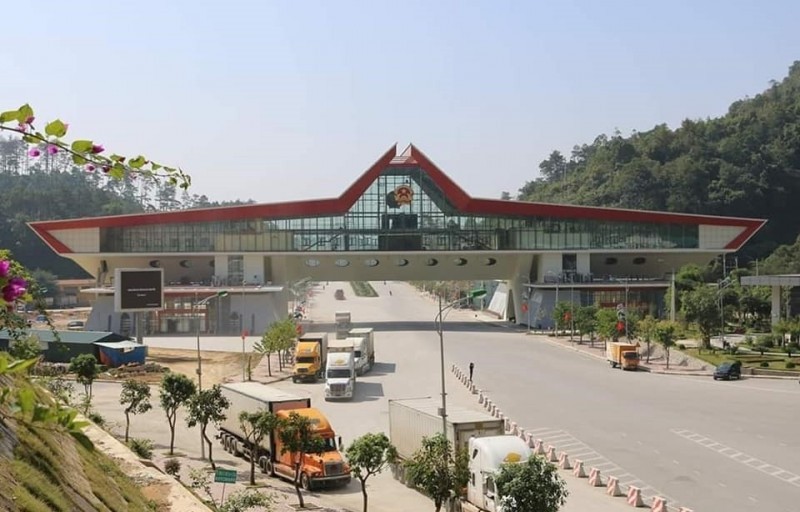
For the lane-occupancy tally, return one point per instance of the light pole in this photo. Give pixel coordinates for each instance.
(473, 294)
(555, 304)
(196, 306)
(724, 283)
(627, 285)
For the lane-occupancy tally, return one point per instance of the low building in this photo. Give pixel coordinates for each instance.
(68, 345)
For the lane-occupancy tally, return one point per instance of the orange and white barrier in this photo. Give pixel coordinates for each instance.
(563, 461)
(594, 478)
(551, 454)
(659, 504)
(512, 427)
(612, 488)
(481, 398)
(530, 440)
(578, 469)
(538, 447)
(635, 497)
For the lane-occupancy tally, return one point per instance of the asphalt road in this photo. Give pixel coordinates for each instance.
(710, 446)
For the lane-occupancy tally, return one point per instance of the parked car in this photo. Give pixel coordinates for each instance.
(76, 325)
(728, 370)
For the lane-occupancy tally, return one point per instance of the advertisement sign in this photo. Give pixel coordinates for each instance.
(138, 289)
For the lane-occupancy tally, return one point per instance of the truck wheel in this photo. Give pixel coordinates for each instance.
(226, 443)
(269, 468)
(305, 482)
(235, 448)
(294, 379)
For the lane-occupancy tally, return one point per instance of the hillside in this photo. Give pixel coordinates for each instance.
(45, 469)
(745, 164)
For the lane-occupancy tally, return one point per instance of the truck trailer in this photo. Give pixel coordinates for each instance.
(343, 324)
(412, 419)
(624, 355)
(325, 469)
(365, 349)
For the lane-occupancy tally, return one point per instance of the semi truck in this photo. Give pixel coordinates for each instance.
(364, 349)
(624, 355)
(310, 357)
(343, 324)
(340, 372)
(487, 454)
(411, 419)
(317, 470)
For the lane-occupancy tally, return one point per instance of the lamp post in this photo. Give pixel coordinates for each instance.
(555, 304)
(473, 294)
(627, 286)
(196, 306)
(724, 283)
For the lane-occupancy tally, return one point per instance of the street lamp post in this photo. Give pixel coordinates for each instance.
(196, 306)
(473, 294)
(555, 304)
(627, 285)
(724, 283)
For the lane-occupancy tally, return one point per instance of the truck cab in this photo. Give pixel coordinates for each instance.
(486, 455)
(325, 469)
(310, 354)
(340, 372)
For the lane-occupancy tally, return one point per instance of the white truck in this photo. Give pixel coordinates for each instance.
(487, 454)
(414, 418)
(340, 373)
(343, 324)
(364, 349)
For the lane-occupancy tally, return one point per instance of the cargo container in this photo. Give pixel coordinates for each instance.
(414, 418)
(365, 349)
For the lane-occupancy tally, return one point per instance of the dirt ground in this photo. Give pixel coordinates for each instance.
(218, 367)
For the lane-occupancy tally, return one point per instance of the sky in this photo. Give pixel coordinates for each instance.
(285, 100)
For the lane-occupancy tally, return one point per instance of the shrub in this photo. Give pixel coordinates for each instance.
(96, 418)
(748, 340)
(766, 341)
(141, 447)
(681, 346)
(764, 364)
(172, 467)
(789, 365)
(733, 349)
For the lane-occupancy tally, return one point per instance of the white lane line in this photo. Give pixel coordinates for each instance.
(751, 462)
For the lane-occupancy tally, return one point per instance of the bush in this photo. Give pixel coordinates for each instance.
(764, 364)
(790, 365)
(766, 341)
(141, 447)
(681, 346)
(96, 418)
(748, 340)
(172, 467)
(733, 349)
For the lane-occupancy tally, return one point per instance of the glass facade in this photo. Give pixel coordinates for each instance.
(402, 210)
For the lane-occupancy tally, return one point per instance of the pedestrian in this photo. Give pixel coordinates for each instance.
(471, 369)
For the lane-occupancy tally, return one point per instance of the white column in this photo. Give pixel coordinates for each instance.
(775, 314)
(221, 266)
(254, 268)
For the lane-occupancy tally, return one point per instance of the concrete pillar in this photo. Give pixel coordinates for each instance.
(775, 313)
(254, 268)
(221, 266)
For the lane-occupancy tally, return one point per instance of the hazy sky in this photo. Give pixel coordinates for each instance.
(294, 99)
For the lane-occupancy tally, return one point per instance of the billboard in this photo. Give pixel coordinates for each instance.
(138, 289)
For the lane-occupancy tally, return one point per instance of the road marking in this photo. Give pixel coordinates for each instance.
(735, 455)
(593, 459)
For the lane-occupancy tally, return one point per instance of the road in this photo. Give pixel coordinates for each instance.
(710, 446)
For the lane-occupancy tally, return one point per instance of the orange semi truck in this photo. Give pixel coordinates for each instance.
(327, 469)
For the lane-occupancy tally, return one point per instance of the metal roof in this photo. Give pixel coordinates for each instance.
(774, 280)
(455, 413)
(77, 337)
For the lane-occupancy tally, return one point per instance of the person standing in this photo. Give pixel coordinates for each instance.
(471, 369)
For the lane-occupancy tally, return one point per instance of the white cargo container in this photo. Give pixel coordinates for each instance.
(343, 324)
(364, 349)
(414, 418)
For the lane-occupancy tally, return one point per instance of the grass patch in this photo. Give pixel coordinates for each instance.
(747, 360)
(363, 289)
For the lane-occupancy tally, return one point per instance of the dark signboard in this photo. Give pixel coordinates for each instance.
(138, 289)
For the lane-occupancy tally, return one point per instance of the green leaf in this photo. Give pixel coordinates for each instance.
(154, 166)
(24, 112)
(3, 364)
(8, 115)
(30, 139)
(117, 158)
(79, 160)
(56, 128)
(40, 413)
(117, 172)
(83, 440)
(26, 400)
(137, 163)
(82, 146)
(22, 365)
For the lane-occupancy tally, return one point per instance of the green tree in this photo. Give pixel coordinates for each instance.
(432, 469)
(27, 347)
(176, 390)
(135, 396)
(369, 455)
(586, 321)
(86, 371)
(204, 407)
(607, 324)
(256, 426)
(531, 486)
(665, 335)
(562, 313)
(701, 306)
(299, 437)
(647, 331)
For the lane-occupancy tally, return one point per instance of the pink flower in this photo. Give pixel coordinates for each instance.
(90, 168)
(23, 127)
(29, 120)
(52, 149)
(34, 152)
(4, 266)
(16, 286)
(97, 148)
(106, 168)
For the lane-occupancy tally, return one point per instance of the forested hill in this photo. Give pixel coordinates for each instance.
(51, 187)
(743, 164)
